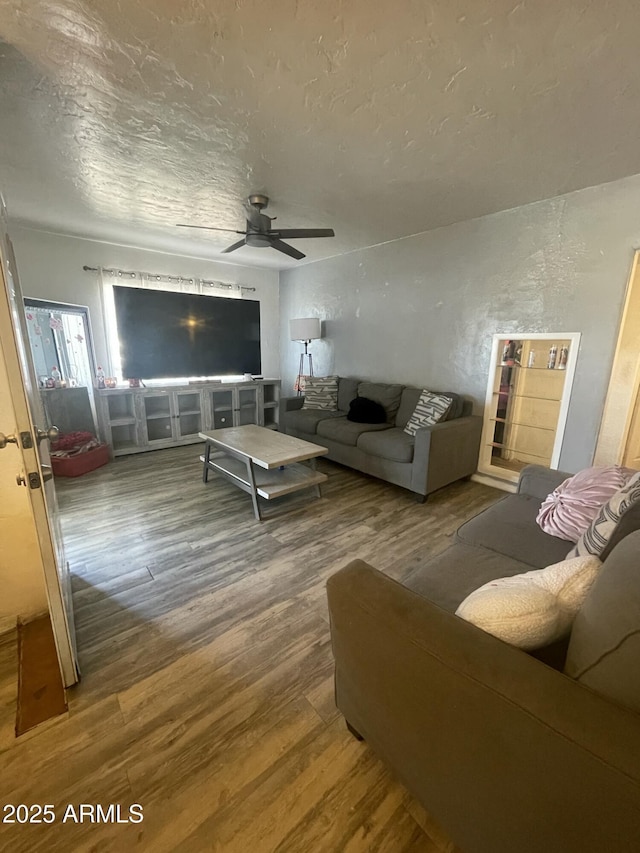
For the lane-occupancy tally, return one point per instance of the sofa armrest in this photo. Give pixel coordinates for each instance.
(505, 752)
(445, 452)
(539, 481)
(288, 404)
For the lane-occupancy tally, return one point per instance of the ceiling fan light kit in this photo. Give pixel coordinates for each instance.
(260, 235)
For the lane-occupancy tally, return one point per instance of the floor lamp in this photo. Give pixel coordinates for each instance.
(304, 330)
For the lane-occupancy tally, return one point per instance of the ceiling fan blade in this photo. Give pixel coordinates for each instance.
(234, 246)
(209, 228)
(287, 249)
(292, 233)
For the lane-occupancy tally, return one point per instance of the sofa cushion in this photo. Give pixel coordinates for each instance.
(448, 578)
(596, 537)
(387, 395)
(307, 420)
(347, 390)
(321, 392)
(533, 609)
(604, 649)
(344, 431)
(510, 528)
(572, 506)
(393, 444)
(409, 401)
(430, 409)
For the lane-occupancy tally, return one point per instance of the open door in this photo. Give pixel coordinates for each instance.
(631, 458)
(619, 436)
(32, 440)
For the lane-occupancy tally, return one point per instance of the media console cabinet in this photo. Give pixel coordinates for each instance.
(133, 420)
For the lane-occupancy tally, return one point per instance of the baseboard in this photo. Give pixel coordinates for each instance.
(10, 623)
(496, 483)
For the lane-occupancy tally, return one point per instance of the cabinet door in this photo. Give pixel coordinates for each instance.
(158, 417)
(221, 402)
(187, 413)
(246, 405)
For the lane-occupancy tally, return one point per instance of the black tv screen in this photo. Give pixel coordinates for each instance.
(164, 334)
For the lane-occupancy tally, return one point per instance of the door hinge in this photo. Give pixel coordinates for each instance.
(34, 480)
(26, 440)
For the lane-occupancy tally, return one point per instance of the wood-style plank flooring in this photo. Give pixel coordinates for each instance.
(207, 691)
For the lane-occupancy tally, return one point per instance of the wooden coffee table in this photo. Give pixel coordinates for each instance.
(262, 462)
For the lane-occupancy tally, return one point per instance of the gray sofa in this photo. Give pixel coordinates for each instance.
(506, 751)
(437, 456)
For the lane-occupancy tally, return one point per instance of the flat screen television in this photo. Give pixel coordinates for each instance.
(164, 334)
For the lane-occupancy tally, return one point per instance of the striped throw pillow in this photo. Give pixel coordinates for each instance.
(430, 409)
(596, 537)
(321, 392)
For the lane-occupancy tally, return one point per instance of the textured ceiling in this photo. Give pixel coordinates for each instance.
(122, 117)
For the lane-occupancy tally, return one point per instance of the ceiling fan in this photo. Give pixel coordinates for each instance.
(259, 232)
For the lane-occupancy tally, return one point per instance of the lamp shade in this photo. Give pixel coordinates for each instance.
(305, 329)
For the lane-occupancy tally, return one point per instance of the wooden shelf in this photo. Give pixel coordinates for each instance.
(121, 422)
(515, 450)
(124, 445)
(270, 483)
(520, 423)
(512, 396)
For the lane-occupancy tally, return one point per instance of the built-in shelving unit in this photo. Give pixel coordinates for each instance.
(133, 420)
(530, 379)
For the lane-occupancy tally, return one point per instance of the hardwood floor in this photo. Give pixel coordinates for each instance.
(207, 692)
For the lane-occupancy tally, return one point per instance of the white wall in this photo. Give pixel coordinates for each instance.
(422, 310)
(50, 267)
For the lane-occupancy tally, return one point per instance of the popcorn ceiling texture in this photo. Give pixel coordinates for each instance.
(379, 119)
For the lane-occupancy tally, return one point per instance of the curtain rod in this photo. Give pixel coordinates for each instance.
(179, 279)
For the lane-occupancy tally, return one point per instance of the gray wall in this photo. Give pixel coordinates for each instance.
(422, 310)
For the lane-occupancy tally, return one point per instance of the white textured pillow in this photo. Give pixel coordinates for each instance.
(533, 609)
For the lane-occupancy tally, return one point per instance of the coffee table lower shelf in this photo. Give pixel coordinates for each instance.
(269, 483)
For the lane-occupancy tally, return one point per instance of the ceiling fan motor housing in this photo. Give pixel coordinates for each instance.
(254, 238)
(259, 201)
